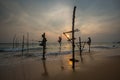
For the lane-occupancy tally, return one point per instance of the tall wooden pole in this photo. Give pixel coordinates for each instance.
(22, 45)
(80, 46)
(14, 41)
(73, 39)
(27, 42)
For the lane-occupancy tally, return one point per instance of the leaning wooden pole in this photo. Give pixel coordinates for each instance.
(73, 39)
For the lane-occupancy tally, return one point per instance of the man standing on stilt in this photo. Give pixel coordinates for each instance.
(43, 43)
(89, 43)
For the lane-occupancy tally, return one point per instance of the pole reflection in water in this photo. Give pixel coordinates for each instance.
(45, 68)
(81, 59)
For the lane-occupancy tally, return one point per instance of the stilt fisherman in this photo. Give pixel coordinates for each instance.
(43, 43)
(89, 43)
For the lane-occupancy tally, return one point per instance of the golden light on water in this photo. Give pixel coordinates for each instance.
(70, 63)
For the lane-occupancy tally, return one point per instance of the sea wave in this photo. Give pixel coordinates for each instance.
(18, 49)
(51, 48)
(102, 47)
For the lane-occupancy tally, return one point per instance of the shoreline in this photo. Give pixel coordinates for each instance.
(102, 65)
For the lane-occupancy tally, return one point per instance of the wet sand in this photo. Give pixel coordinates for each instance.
(104, 65)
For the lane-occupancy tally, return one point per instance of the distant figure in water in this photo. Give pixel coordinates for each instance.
(60, 40)
(89, 42)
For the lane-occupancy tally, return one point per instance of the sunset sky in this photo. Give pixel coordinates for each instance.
(99, 19)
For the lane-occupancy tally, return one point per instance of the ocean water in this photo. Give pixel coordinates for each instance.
(13, 55)
(54, 48)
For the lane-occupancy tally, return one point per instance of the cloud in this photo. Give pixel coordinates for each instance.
(22, 20)
(96, 18)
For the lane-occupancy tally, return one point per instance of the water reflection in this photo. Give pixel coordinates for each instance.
(70, 63)
(81, 58)
(86, 57)
(45, 73)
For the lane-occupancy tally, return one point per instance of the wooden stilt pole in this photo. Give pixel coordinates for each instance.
(73, 39)
(89, 48)
(80, 48)
(27, 42)
(22, 45)
(14, 41)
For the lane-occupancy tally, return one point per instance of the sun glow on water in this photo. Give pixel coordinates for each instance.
(70, 63)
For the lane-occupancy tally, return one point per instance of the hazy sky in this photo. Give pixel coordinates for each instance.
(99, 19)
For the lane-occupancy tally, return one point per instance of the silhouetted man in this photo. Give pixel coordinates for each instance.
(89, 42)
(60, 41)
(43, 43)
